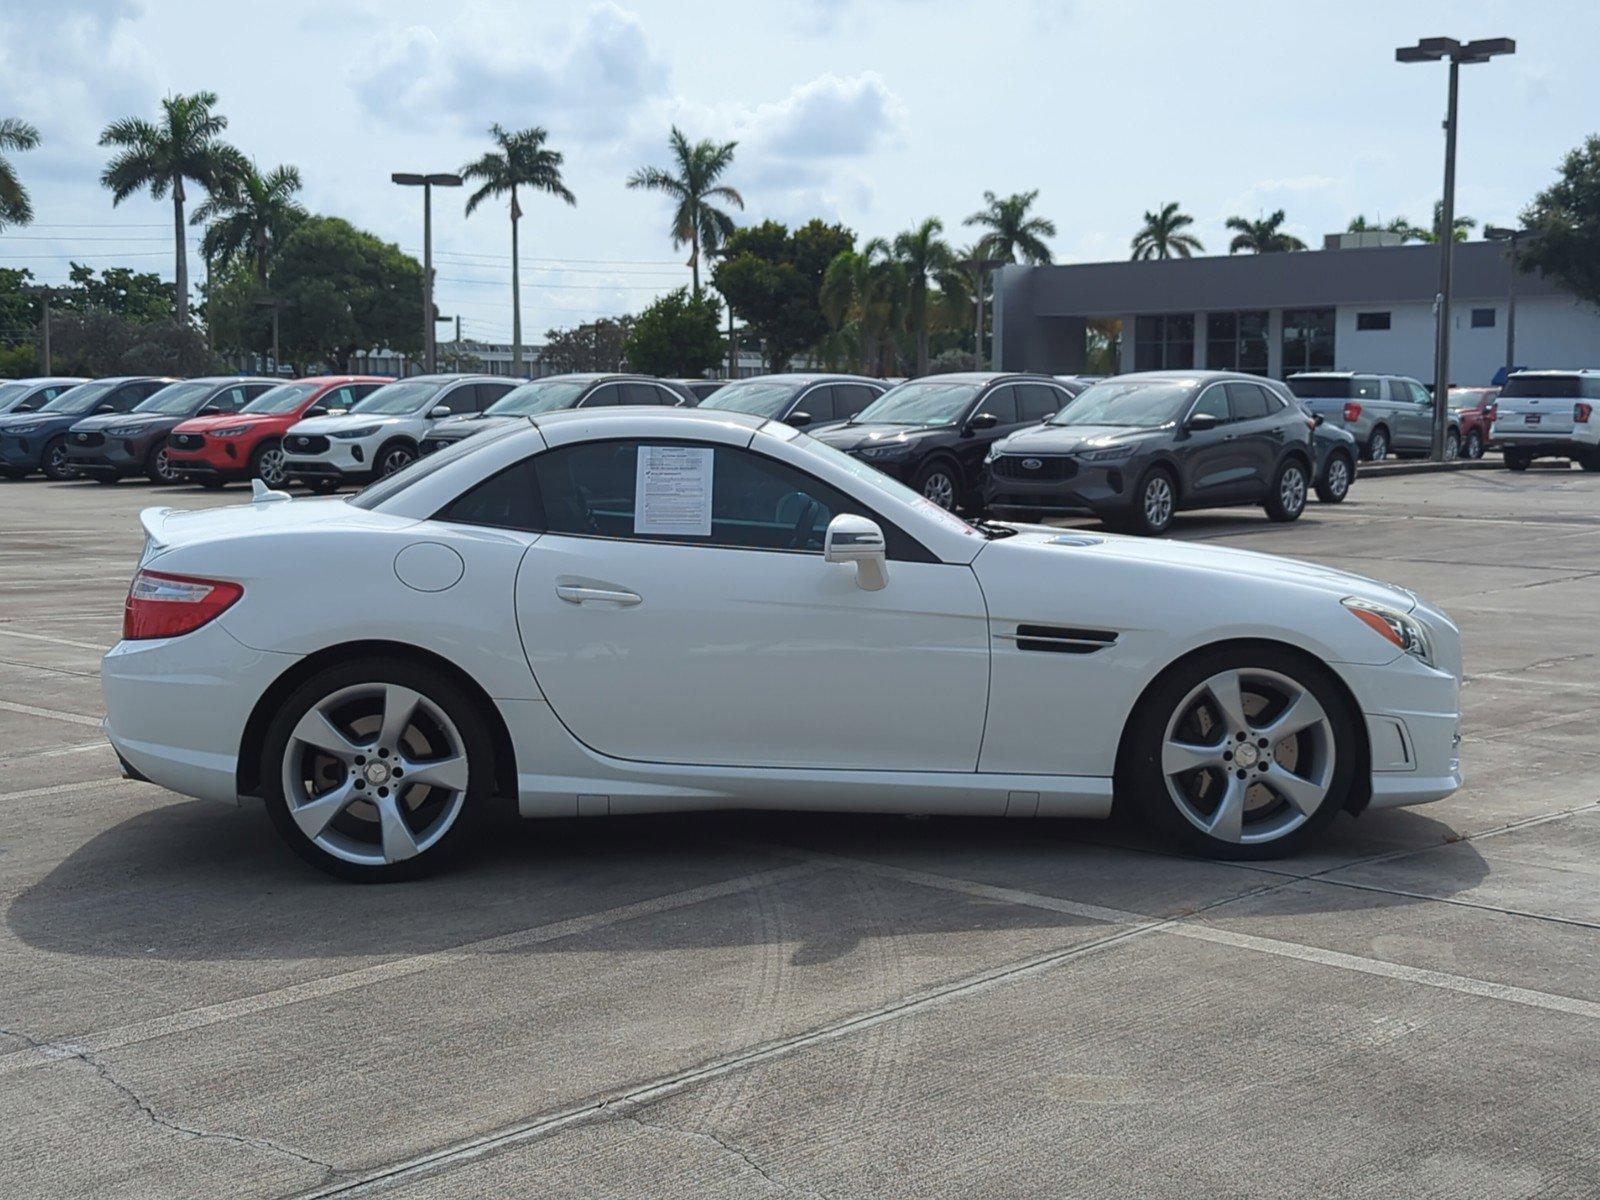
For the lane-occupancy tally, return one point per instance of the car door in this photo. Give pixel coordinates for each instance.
(458, 400)
(1207, 457)
(973, 445)
(1037, 402)
(718, 635)
(816, 404)
(1256, 437)
(1413, 419)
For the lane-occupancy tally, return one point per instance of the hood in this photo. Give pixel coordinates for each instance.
(127, 420)
(1219, 561)
(230, 421)
(1063, 439)
(468, 424)
(343, 422)
(11, 422)
(859, 436)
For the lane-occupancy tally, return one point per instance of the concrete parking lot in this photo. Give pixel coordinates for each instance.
(733, 1005)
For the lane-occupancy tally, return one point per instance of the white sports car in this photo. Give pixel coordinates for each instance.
(638, 610)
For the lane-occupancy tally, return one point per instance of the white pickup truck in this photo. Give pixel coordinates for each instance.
(1548, 414)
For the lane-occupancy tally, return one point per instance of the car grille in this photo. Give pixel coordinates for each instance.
(1019, 466)
(88, 439)
(302, 443)
(186, 441)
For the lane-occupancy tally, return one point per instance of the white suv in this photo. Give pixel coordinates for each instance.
(1549, 414)
(382, 433)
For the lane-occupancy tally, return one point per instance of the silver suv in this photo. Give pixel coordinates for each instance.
(1383, 413)
(1549, 414)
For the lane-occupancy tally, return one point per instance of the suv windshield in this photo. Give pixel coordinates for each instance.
(542, 395)
(1554, 387)
(1313, 387)
(81, 398)
(759, 397)
(925, 402)
(177, 399)
(1138, 403)
(399, 399)
(286, 397)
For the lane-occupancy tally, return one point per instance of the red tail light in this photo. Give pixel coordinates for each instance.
(1488, 412)
(163, 606)
(1352, 411)
(1581, 411)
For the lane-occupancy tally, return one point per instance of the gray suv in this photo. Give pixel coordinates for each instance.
(1383, 413)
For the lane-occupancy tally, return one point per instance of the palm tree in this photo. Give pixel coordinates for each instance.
(925, 258)
(183, 145)
(863, 291)
(1165, 235)
(15, 207)
(696, 222)
(1012, 232)
(1463, 226)
(250, 216)
(522, 160)
(1262, 236)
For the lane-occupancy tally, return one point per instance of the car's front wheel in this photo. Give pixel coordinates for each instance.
(160, 468)
(1472, 448)
(1287, 498)
(1334, 485)
(394, 457)
(1241, 752)
(937, 482)
(269, 465)
(1154, 504)
(376, 770)
(55, 464)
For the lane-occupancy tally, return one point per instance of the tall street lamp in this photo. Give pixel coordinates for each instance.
(427, 183)
(1437, 49)
(1512, 238)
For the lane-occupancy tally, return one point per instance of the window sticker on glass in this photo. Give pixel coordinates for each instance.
(672, 491)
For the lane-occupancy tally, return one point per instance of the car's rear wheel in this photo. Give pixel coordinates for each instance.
(937, 482)
(55, 463)
(1287, 498)
(1334, 485)
(377, 770)
(1517, 460)
(160, 467)
(1472, 448)
(1590, 461)
(1241, 752)
(394, 457)
(1378, 445)
(268, 465)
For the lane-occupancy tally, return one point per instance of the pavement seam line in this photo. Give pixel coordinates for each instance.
(32, 710)
(191, 1019)
(41, 637)
(58, 789)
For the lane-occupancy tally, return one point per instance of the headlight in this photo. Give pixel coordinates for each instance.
(1109, 454)
(880, 452)
(233, 431)
(364, 431)
(994, 453)
(1394, 626)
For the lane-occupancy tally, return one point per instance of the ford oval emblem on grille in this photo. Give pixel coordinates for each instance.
(1032, 464)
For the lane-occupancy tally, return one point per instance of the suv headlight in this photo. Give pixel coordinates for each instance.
(994, 453)
(231, 431)
(1109, 454)
(880, 452)
(351, 434)
(1403, 631)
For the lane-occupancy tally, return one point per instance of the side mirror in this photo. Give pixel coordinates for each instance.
(318, 411)
(1200, 422)
(1317, 418)
(209, 410)
(798, 419)
(439, 411)
(853, 539)
(983, 421)
(105, 408)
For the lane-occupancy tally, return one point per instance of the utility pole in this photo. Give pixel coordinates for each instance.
(276, 306)
(980, 267)
(1512, 238)
(1435, 50)
(430, 360)
(44, 293)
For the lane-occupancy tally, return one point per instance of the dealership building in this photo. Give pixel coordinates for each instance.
(1355, 308)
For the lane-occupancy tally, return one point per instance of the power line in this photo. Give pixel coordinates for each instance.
(565, 287)
(626, 262)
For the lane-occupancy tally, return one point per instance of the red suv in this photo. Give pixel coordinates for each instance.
(214, 451)
(1472, 410)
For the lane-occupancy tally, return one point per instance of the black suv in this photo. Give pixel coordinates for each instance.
(933, 432)
(1135, 449)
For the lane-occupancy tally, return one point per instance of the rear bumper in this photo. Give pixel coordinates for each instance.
(1582, 439)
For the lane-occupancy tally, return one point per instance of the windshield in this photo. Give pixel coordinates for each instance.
(81, 398)
(391, 486)
(1141, 403)
(543, 395)
(286, 397)
(759, 397)
(177, 399)
(10, 393)
(399, 399)
(1554, 387)
(925, 402)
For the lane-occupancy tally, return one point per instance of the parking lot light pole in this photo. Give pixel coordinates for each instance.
(1512, 238)
(427, 183)
(1439, 49)
(44, 293)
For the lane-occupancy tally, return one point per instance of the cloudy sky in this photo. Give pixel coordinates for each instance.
(876, 114)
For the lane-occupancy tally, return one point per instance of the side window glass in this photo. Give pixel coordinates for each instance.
(130, 396)
(1002, 402)
(637, 393)
(231, 400)
(602, 397)
(1364, 387)
(819, 403)
(1214, 402)
(340, 397)
(509, 499)
(1039, 401)
(357, 391)
(1246, 401)
(488, 393)
(458, 400)
(851, 398)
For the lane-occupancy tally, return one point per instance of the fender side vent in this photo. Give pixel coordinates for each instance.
(1058, 639)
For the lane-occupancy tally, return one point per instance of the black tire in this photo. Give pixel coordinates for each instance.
(1452, 444)
(53, 462)
(392, 457)
(940, 482)
(1472, 448)
(12, 473)
(457, 706)
(1141, 787)
(1517, 460)
(1286, 499)
(322, 487)
(211, 483)
(1334, 485)
(1155, 502)
(1377, 448)
(263, 458)
(158, 467)
(103, 478)
(1590, 461)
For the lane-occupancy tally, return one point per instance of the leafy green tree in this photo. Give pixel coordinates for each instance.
(344, 290)
(1262, 236)
(773, 280)
(15, 206)
(249, 215)
(864, 296)
(185, 144)
(692, 183)
(931, 278)
(522, 161)
(1165, 234)
(1566, 216)
(141, 297)
(19, 313)
(1011, 232)
(101, 342)
(677, 336)
(595, 346)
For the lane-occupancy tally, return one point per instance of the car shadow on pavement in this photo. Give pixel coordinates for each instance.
(192, 881)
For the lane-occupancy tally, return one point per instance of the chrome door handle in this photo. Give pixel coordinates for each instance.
(577, 594)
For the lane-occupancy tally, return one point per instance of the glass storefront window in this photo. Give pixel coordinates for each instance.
(1307, 340)
(1163, 342)
(1237, 341)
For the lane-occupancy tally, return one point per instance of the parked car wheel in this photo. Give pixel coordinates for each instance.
(1153, 507)
(12, 473)
(1334, 485)
(1240, 752)
(937, 482)
(211, 484)
(323, 487)
(106, 478)
(54, 463)
(1452, 444)
(267, 464)
(1590, 461)
(1472, 448)
(1378, 445)
(1287, 499)
(159, 466)
(394, 457)
(377, 770)
(1516, 460)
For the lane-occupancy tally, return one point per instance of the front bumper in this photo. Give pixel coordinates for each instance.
(339, 462)
(1076, 486)
(113, 456)
(1413, 719)
(217, 457)
(22, 453)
